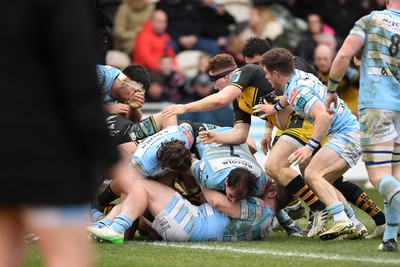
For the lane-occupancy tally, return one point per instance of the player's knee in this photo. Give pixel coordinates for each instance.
(311, 177)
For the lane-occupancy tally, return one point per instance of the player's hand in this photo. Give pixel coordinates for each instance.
(300, 155)
(265, 108)
(136, 99)
(207, 137)
(252, 145)
(331, 98)
(118, 108)
(266, 143)
(173, 110)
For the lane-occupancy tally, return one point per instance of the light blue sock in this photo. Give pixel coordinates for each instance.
(389, 188)
(95, 215)
(349, 211)
(282, 216)
(121, 223)
(392, 222)
(103, 223)
(337, 211)
(335, 208)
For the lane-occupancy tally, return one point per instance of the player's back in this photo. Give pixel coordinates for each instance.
(255, 223)
(144, 159)
(380, 72)
(218, 160)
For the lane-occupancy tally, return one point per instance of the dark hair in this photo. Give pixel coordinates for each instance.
(278, 59)
(220, 62)
(242, 179)
(139, 74)
(255, 46)
(174, 155)
(103, 19)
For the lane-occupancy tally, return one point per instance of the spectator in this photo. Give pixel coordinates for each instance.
(234, 48)
(49, 169)
(105, 24)
(312, 38)
(341, 15)
(203, 87)
(130, 17)
(216, 22)
(184, 26)
(203, 62)
(176, 84)
(262, 24)
(153, 42)
(156, 91)
(348, 86)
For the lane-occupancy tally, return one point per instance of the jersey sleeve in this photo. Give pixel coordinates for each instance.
(359, 28)
(303, 99)
(239, 115)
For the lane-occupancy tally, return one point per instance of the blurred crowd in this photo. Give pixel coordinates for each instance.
(174, 39)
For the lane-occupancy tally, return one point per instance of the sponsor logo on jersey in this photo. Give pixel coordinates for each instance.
(236, 76)
(293, 95)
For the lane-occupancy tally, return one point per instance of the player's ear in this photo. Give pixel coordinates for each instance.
(272, 194)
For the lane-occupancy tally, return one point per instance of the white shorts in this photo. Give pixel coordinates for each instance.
(346, 145)
(379, 126)
(76, 215)
(175, 222)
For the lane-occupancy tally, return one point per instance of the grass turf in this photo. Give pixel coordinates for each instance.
(275, 250)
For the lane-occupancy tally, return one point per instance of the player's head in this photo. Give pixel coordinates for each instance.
(105, 24)
(139, 74)
(254, 48)
(173, 155)
(239, 184)
(278, 64)
(133, 78)
(220, 69)
(276, 196)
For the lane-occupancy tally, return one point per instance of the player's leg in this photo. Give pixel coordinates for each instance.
(380, 138)
(63, 238)
(359, 198)
(11, 237)
(117, 186)
(278, 168)
(141, 195)
(319, 174)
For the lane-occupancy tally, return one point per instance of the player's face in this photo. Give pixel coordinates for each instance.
(221, 82)
(253, 60)
(233, 195)
(270, 77)
(123, 91)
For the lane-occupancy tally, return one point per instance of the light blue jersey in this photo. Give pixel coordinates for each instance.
(106, 76)
(181, 221)
(144, 159)
(380, 68)
(218, 160)
(304, 90)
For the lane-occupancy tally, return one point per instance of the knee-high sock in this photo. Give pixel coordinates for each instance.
(356, 196)
(121, 223)
(392, 222)
(299, 188)
(389, 188)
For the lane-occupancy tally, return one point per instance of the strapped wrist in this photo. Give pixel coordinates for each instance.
(278, 106)
(313, 143)
(268, 130)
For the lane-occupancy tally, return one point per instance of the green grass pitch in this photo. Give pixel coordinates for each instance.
(275, 250)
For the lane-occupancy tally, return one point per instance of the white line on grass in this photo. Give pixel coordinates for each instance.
(276, 253)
